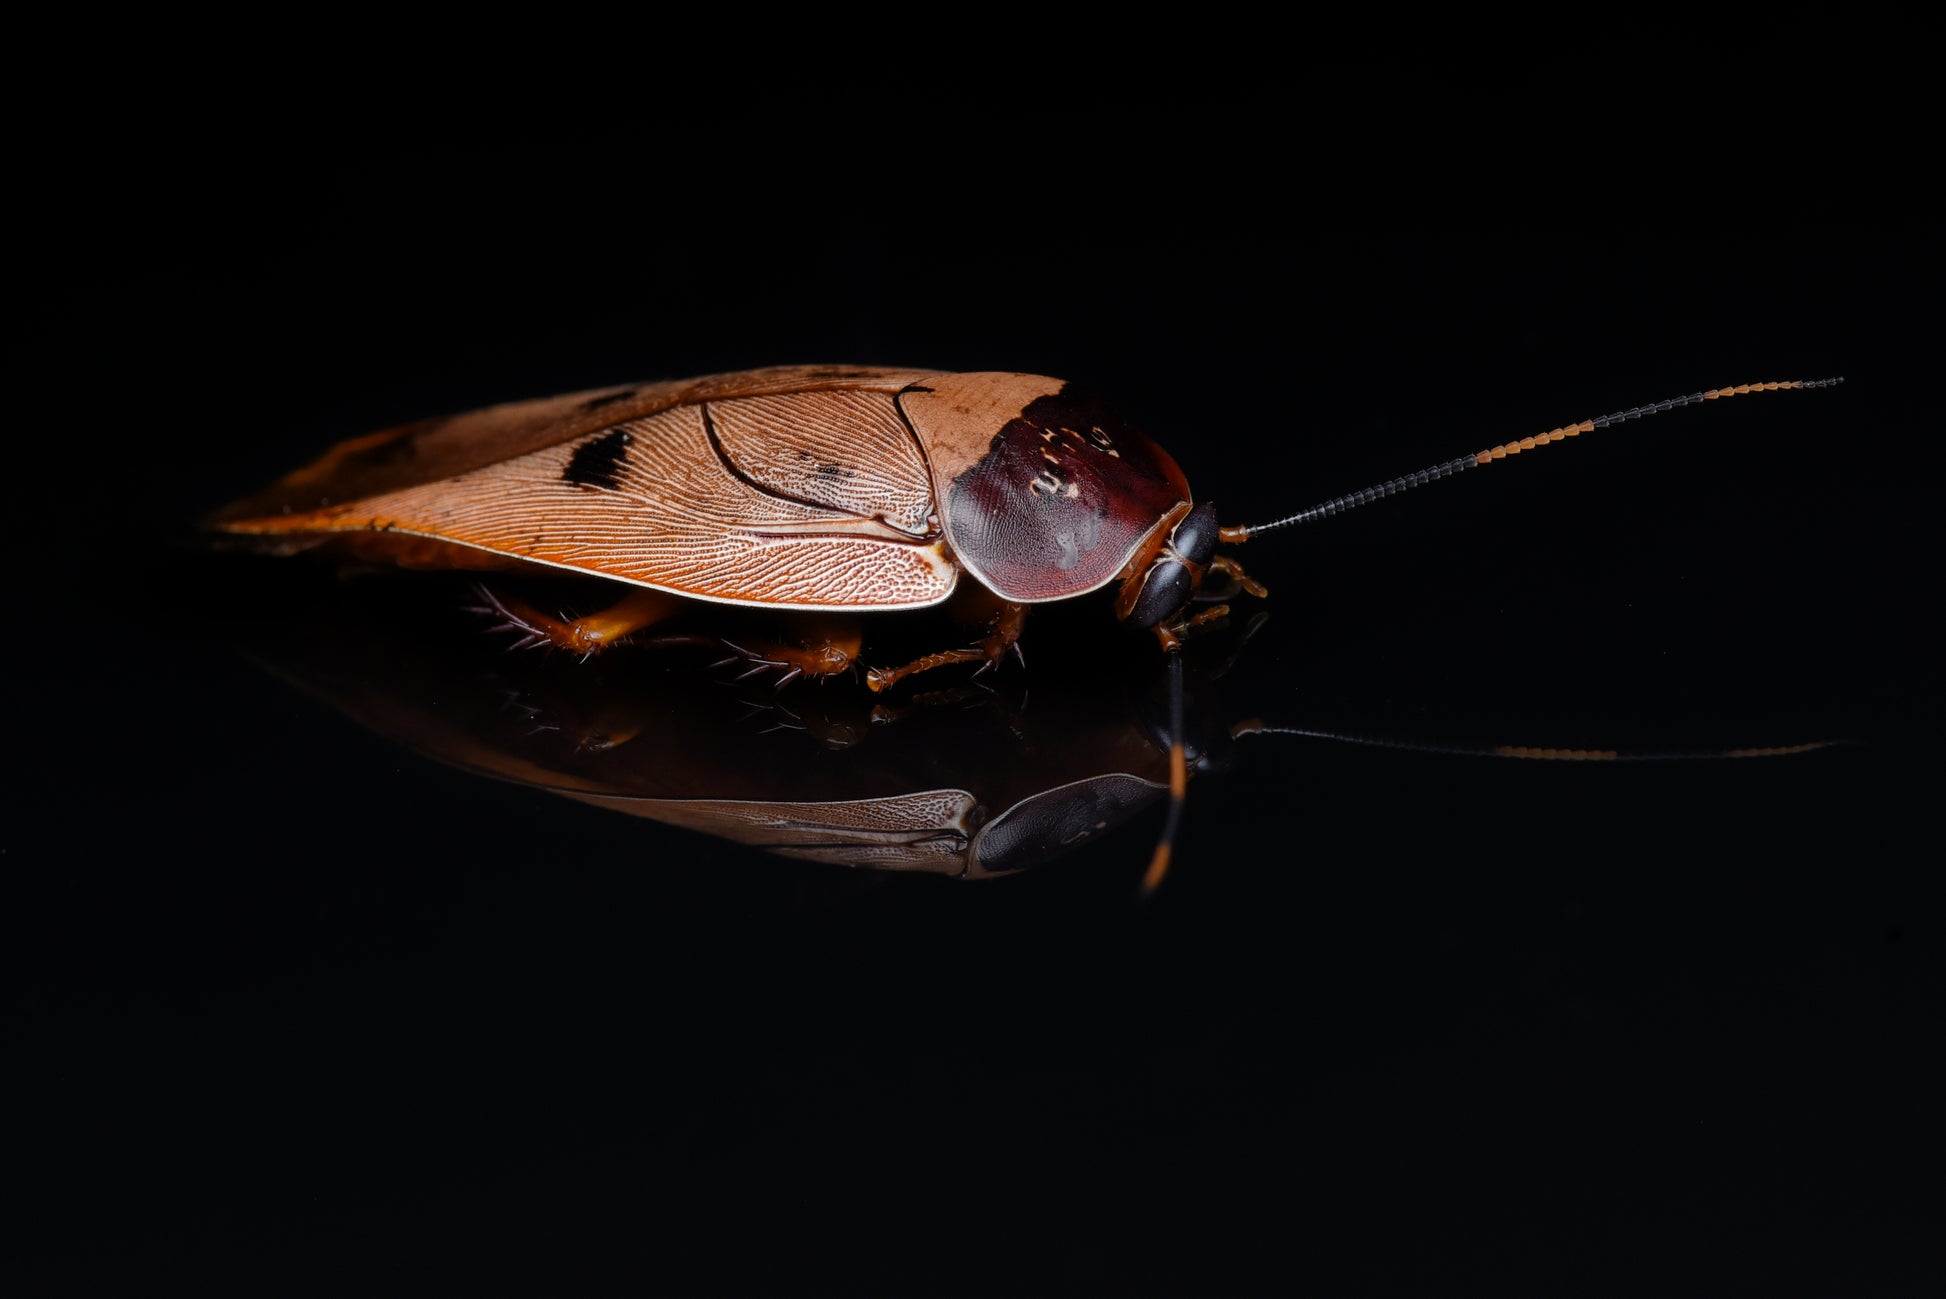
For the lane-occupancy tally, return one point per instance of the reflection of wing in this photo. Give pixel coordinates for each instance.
(925, 831)
(817, 497)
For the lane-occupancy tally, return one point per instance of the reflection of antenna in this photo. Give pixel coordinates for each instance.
(1351, 500)
(1178, 780)
(1257, 726)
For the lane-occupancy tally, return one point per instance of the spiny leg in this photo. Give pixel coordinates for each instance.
(640, 608)
(819, 647)
(1003, 634)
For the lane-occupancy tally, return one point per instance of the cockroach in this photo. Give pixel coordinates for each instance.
(822, 491)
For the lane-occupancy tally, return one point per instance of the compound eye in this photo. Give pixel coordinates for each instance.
(1166, 588)
(1195, 537)
(1172, 578)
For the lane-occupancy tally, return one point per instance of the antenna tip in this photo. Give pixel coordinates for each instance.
(1158, 867)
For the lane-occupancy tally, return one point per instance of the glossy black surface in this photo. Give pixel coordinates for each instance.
(291, 1008)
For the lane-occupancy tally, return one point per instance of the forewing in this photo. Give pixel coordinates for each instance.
(431, 450)
(813, 498)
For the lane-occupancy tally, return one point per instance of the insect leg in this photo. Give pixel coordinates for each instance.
(1003, 634)
(1226, 579)
(634, 611)
(1172, 634)
(819, 647)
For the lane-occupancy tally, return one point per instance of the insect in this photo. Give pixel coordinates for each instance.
(818, 492)
(831, 491)
(827, 491)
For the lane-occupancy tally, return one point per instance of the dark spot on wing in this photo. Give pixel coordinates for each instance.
(598, 462)
(833, 471)
(596, 403)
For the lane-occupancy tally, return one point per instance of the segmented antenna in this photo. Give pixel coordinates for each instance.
(1402, 483)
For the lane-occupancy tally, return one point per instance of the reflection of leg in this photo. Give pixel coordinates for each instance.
(638, 609)
(1003, 633)
(975, 695)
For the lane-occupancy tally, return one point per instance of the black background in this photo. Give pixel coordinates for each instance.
(293, 1009)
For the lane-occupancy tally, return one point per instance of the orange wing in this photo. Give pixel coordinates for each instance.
(801, 488)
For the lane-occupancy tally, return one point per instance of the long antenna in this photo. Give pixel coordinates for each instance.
(1461, 464)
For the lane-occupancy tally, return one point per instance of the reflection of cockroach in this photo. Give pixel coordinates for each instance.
(822, 491)
(960, 782)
